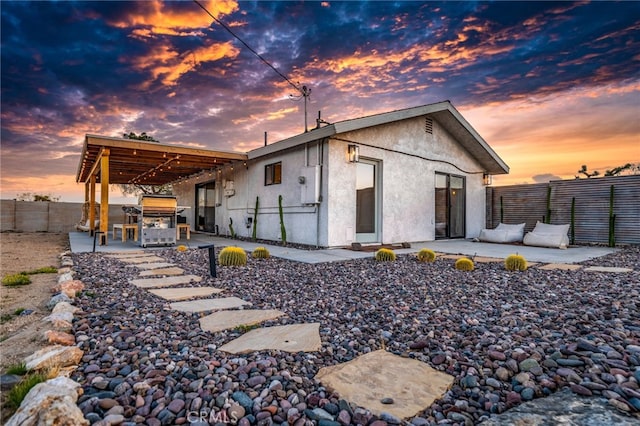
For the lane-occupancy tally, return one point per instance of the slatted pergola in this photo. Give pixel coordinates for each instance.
(107, 160)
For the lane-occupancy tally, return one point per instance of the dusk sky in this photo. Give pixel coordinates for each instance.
(550, 86)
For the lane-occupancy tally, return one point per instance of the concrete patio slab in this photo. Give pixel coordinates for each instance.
(141, 259)
(224, 320)
(209, 304)
(610, 269)
(364, 381)
(184, 293)
(147, 266)
(573, 254)
(288, 338)
(162, 271)
(165, 281)
(560, 266)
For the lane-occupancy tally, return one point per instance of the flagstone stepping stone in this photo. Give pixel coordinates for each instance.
(209, 304)
(165, 281)
(162, 271)
(151, 265)
(128, 254)
(370, 378)
(143, 259)
(560, 266)
(480, 259)
(224, 320)
(288, 338)
(184, 293)
(607, 269)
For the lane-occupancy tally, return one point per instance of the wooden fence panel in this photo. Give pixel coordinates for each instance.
(528, 203)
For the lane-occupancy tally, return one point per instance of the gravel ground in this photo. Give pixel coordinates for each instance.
(507, 337)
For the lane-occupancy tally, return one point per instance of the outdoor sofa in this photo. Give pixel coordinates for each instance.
(503, 233)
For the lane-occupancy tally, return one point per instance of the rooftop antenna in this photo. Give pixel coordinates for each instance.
(304, 91)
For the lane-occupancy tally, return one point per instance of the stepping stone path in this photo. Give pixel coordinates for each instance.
(607, 269)
(289, 338)
(224, 320)
(368, 379)
(184, 293)
(201, 305)
(560, 266)
(162, 271)
(411, 385)
(165, 282)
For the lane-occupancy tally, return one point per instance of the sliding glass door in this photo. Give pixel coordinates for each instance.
(367, 201)
(450, 206)
(205, 207)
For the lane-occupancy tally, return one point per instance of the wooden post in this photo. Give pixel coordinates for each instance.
(104, 196)
(92, 205)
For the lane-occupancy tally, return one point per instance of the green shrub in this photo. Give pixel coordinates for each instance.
(260, 253)
(426, 255)
(464, 264)
(243, 328)
(515, 262)
(385, 255)
(44, 270)
(17, 369)
(19, 391)
(16, 279)
(232, 256)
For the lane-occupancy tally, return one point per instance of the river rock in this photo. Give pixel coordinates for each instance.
(59, 338)
(54, 356)
(50, 403)
(562, 408)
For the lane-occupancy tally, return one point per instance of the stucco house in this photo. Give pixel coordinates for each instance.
(410, 175)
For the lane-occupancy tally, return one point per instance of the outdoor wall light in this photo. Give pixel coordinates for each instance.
(353, 153)
(486, 179)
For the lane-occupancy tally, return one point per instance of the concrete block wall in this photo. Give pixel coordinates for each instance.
(44, 216)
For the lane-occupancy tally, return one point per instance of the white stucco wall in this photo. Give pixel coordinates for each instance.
(407, 205)
(407, 190)
(302, 221)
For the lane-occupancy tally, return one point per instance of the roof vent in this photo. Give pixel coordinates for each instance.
(428, 125)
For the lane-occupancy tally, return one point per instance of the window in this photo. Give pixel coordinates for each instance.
(273, 173)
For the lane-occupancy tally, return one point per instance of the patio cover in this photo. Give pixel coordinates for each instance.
(109, 160)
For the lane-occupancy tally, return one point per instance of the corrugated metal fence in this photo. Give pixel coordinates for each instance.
(528, 204)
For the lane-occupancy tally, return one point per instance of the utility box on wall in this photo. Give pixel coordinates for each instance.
(309, 180)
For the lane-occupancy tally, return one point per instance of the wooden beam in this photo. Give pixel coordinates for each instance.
(104, 196)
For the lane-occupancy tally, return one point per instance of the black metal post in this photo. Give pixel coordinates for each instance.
(212, 259)
(95, 235)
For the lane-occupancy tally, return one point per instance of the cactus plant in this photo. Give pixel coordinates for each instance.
(464, 264)
(232, 256)
(515, 262)
(612, 220)
(260, 253)
(233, 233)
(501, 210)
(426, 255)
(385, 255)
(283, 231)
(255, 219)
(573, 220)
(547, 218)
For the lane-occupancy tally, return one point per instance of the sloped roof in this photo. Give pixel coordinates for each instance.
(443, 112)
(148, 163)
